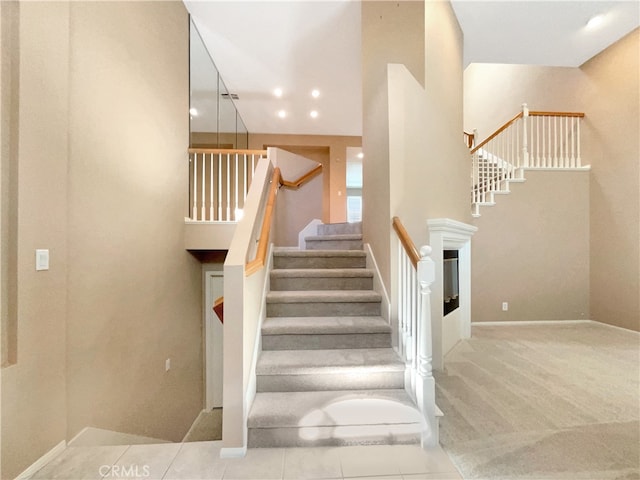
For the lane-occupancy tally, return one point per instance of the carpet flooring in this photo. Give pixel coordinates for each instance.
(543, 402)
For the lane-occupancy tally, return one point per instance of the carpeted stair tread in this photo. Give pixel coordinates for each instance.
(289, 252)
(339, 228)
(343, 236)
(324, 296)
(322, 272)
(339, 361)
(333, 408)
(324, 325)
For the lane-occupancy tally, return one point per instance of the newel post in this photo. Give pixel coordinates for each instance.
(525, 146)
(425, 384)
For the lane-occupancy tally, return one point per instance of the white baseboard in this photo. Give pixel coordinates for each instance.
(43, 460)
(527, 322)
(238, 452)
(378, 286)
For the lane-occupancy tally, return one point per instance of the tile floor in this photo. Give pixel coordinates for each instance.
(201, 461)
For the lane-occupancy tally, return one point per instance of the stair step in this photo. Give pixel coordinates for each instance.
(320, 333)
(334, 418)
(321, 279)
(341, 369)
(334, 242)
(318, 303)
(339, 228)
(290, 258)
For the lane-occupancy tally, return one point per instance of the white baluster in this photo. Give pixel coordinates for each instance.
(236, 188)
(204, 173)
(400, 299)
(211, 187)
(573, 142)
(525, 147)
(555, 142)
(578, 159)
(246, 179)
(219, 187)
(194, 166)
(414, 317)
(228, 195)
(537, 163)
(425, 384)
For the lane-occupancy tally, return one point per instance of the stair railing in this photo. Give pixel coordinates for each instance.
(416, 274)
(245, 287)
(530, 140)
(219, 181)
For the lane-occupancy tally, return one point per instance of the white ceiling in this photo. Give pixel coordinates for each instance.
(541, 32)
(299, 45)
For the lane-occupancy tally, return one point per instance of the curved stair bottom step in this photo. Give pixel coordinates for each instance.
(335, 418)
(337, 436)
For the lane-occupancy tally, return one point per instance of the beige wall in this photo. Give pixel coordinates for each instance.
(334, 168)
(532, 250)
(102, 173)
(494, 93)
(611, 94)
(606, 89)
(414, 167)
(296, 208)
(392, 32)
(34, 389)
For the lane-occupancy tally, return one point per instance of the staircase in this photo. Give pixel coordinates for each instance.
(327, 375)
(531, 140)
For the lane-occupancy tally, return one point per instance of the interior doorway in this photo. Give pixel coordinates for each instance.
(214, 288)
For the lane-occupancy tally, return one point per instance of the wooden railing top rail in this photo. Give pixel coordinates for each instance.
(556, 114)
(296, 184)
(520, 115)
(496, 133)
(276, 181)
(227, 151)
(261, 254)
(407, 243)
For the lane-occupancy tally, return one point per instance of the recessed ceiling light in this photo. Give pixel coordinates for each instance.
(361, 155)
(282, 114)
(595, 22)
(314, 114)
(315, 93)
(278, 92)
(193, 111)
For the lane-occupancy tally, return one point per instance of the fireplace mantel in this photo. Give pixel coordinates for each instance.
(448, 234)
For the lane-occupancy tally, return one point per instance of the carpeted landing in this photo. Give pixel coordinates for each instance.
(543, 402)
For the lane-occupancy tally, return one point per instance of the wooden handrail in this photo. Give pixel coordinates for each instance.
(407, 244)
(227, 150)
(303, 179)
(261, 255)
(276, 181)
(496, 133)
(556, 114)
(519, 115)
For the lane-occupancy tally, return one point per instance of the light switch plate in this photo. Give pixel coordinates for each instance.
(42, 259)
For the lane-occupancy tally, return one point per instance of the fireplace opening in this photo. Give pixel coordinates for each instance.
(451, 285)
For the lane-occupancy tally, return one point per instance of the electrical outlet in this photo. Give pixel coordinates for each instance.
(167, 365)
(505, 306)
